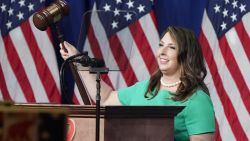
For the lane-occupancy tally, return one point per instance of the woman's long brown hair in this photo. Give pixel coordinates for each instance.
(190, 58)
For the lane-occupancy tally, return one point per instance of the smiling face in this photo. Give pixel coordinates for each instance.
(167, 56)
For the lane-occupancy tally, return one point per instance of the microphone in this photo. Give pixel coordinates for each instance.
(86, 61)
(52, 14)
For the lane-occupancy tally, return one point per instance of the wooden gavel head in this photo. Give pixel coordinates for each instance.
(52, 14)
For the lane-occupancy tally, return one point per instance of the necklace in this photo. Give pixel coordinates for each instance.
(169, 85)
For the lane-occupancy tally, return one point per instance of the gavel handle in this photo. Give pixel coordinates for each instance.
(60, 37)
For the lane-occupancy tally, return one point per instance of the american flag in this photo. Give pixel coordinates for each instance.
(126, 32)
(223, 32)
(28, 68)
(225, 38)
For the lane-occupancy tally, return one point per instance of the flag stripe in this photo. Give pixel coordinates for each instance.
(246, 21)
(48, 51)
(141, 41)
(154, 20)
(26, 60)
(95, 50)
(29, 64)
(4, 91)
(225, 132)
(120, 57)
(48, 32)
(245, 39)
(13, 86)
(132, 51)
(18, 69)
(228, 108)
(42, 69)
(77, 99)
(115, 76)
(236, 45)
(235, 72)
(217, 133)
(152, 32)
(229, 85)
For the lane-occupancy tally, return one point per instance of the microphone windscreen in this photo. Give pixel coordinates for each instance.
(97, 63)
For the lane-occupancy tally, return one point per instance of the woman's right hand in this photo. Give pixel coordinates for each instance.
(70, 48)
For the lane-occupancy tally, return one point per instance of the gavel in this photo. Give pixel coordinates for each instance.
(51, 15)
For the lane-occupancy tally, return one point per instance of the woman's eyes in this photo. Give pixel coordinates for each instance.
(172, 47)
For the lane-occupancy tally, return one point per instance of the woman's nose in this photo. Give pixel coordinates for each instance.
(163, 50)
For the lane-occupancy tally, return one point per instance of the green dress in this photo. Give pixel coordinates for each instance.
(196, 118)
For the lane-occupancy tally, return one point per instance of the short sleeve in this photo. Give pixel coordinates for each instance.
(200, 114)
(125, 95)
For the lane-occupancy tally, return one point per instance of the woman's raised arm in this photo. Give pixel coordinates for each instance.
(108, 96)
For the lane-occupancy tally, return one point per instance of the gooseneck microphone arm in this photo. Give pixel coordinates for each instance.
(63, 85)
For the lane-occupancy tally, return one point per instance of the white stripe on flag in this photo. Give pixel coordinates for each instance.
(47, 50)
(106, 52)
(230, 87)
(150, 31)
(133, 54)
(113, 75)
(78, 95)
(13, 86)
(239, 54)
(28, 64)
(246, 21)
(224, 128)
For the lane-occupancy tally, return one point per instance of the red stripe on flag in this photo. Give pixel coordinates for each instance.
(3, 87)
(48, 31)
(245, 39)
(235, 72)
(152, 14)
(122, 60)
(18, 69)
(75, 100)
(226, 103)
(143, 46)
(217, 133)
(41, 66)
(95, 48)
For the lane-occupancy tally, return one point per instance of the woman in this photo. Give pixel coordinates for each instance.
(179, 81)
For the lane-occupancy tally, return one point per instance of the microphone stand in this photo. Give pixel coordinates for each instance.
(98, 72)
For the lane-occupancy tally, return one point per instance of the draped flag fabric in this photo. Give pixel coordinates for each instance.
(223, 31)
(225, 38)
(122, 31)
(28, 68)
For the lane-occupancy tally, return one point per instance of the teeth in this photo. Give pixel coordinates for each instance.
(163, 59)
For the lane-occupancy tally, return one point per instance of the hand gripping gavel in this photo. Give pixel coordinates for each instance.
(51, 15)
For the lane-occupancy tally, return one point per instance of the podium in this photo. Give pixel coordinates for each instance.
(140, 123)
(18, 123)
(120, 123)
